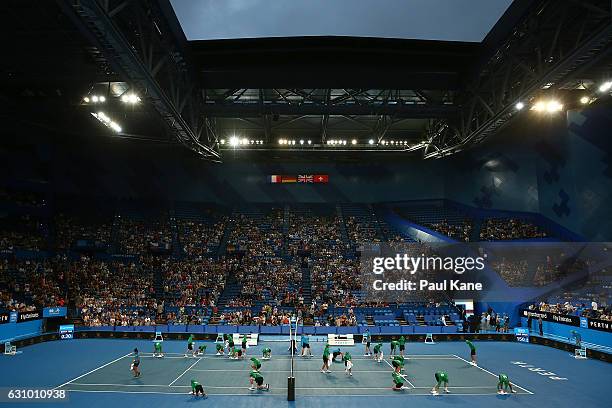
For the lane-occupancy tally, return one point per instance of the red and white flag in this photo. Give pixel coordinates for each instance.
(321, 178)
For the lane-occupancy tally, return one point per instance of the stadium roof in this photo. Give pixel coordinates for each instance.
(445, 20)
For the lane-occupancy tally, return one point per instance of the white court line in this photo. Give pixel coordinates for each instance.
(129, 385)
(183, 373)
(401, 375)
(95, 369)
(394, 395)
(494, 375)
(285, 371)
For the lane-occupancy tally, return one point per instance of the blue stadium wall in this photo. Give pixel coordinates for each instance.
(559, 167)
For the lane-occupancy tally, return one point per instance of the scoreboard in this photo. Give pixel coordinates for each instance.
(66, 331)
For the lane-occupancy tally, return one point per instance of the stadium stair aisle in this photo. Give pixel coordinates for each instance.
(223, 242)
(231, 291)
(306, 286)
(476, 226)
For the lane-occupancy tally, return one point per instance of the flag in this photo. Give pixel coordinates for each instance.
(321, 178)
(305, 178)
(275, 179)
(288, 179)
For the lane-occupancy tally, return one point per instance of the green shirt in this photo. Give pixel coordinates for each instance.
(266, 351)
(402, 341)
(326, 352)
(347, 356)
(399, 359)
(158, 347)
(442, 376)
(377, 348)
(219, 347)
(194, 384)
(394, 343)
(471, 345)
(256, 362)
(255, 375)
(397, 379)
(190, 340)
(244, 341)
(503, 379)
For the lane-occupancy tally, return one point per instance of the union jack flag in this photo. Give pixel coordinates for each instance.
(305, 179)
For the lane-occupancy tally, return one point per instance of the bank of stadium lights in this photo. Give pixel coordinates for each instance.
(371, 142)
(130, 98)
(584, 100)
(550, 106)
(104, 119)
(353, 142)
(236, 141)
(605, 87)
(94, 99)
(519, 106)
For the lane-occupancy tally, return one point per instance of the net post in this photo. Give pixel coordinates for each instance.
(290, 388)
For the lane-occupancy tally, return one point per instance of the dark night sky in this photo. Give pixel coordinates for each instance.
(452, 20)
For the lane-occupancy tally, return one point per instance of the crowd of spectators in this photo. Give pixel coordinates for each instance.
(591, 310)
(258, 235)
(361, 229)
(193, 282)
(315, 234)
(199, 238)
(271, 280)
(116, 293)
(138, 236)
(334, 279)
(23, 232)
(69, 229)
(29, 285)
(501, 229)
(460, 231)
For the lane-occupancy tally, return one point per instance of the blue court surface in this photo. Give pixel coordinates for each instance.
(96, 374)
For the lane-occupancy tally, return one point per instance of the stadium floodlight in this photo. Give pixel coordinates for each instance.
(519, 106)
(102, 99)
(94, 99)
(344, 142)
(234, 141)
(553, 106)
(353, 142)
(245, 141)
(310, 142)
(86, 99)
(115, 127)
(584, 100)
(301, 142)
(222, 141)
(539, 106)
(605, 87)
(371, 141)
(130, 98)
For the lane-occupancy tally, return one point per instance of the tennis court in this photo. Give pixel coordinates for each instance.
(223, 376)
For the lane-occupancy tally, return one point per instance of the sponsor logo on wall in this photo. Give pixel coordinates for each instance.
(28, 316)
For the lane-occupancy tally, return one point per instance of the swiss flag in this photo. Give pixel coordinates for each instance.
(321, 178)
